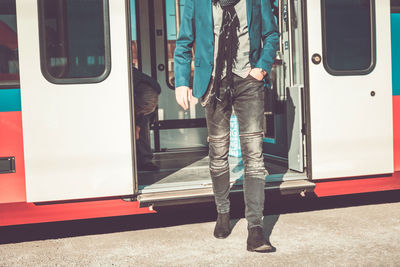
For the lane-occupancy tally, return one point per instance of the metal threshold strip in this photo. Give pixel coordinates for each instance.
(205, 194)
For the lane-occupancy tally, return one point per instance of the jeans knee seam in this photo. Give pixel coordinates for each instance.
(218, 139)
(252, 134)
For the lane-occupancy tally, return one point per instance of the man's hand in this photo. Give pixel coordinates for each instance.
(258, 73)
(183, 94)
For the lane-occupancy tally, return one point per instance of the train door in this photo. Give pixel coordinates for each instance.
(173, 129)
(284, 137)
(76, 99)
(350, 91)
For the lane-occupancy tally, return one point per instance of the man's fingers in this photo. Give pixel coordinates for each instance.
(178, 96)
(178, 99)
(190, 95)
(257, 73)
(184, 100)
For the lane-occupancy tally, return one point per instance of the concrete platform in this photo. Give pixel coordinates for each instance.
(361, 230)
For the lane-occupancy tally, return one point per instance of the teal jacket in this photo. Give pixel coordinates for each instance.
(197, 27)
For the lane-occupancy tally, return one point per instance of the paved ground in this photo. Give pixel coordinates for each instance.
(352, 231)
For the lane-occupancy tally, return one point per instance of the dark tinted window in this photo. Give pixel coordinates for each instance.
(74, 40)
(9, 70)
(349, 41)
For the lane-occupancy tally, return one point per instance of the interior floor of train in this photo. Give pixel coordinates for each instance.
(190, 169)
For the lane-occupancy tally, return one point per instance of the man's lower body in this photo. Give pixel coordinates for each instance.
(247, 101)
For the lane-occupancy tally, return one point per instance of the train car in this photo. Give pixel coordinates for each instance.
(67, 124)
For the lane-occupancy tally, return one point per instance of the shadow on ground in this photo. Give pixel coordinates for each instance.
(188, 214)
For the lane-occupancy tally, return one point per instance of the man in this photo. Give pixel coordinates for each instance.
(146, 92)
(229, 71)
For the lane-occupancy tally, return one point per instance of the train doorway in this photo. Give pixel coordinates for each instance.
(180, 137)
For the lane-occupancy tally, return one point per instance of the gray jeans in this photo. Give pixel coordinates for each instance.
(248, 103)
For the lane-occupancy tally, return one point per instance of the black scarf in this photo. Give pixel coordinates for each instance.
(228, 45)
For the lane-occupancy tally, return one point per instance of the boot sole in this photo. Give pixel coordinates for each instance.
(261, 249)
(222, 236)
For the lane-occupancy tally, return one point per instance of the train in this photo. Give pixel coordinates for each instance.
(67, 123)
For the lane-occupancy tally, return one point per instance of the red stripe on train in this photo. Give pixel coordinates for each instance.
(12, 185)
(357, 185)
(396, 131)
(27, 213)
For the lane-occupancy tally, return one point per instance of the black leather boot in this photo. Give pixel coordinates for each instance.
(222, 228)
(256, 241)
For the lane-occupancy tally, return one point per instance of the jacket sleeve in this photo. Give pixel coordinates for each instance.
(270, 37)
(184, 44)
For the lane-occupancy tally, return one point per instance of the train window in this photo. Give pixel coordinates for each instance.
(74, 40)
(9, 68)
(174, 13)
(348, 36)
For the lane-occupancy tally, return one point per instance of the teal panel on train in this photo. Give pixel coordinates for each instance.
(10, 100)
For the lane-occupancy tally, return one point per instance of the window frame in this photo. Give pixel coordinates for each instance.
(81, 80)
(12, 84)
(372, 65)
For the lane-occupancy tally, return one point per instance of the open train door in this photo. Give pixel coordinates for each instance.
(76, 99)
(350, 91)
